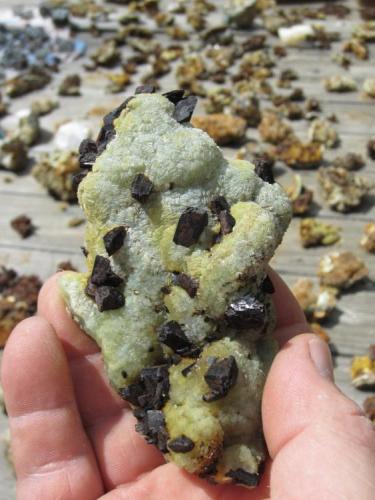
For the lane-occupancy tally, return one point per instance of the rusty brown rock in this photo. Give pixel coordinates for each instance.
(341, 270)
(224, 129)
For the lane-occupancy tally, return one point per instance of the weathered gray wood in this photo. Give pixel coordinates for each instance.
(352, 328)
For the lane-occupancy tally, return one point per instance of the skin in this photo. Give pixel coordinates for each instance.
(73, 438)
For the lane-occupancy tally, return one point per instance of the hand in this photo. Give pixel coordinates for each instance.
(74, 438)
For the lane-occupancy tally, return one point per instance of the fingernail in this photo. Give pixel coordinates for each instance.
(321, 357)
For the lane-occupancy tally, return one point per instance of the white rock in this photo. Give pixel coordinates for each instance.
(293, 35)
(70, 135)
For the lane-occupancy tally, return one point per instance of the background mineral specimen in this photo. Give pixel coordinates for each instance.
(342, 189)
(314, 232)
(178, 241)
(55, 171)
(341, 270)
(18, 298)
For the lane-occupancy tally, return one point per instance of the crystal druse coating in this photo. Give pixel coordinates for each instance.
(177, 295)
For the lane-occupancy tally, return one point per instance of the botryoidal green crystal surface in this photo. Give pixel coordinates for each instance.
(189, 342)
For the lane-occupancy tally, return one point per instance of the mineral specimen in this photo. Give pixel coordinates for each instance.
(33, 79)
(272, 129)
(55, 172)
(13, 154)
(18, 299)
(343, 190)
(70, 86)
(368, 239)
(351, 161)
(29, 129)
(224, 129)
(23, 226)
(321, 131)
(363, 372)
(246, 105)
(316, 304)
(186, 277)
(218, 99)
(300, 196)
(43, 107)
(241, 12)
(298, 154)
(365, 31)
(107, 54)
(314, 232)
(340, 83)
(356, 47)
(341, 270)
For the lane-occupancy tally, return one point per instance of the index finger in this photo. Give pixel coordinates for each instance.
(291, 320)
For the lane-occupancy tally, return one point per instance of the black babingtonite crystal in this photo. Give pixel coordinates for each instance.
(151, 424)
(190, 226)
(174, 96)
(241, 476)
(88, 151)
(185, 109)
(141, 188)
(220, 377)
(114, 239)
(102, 273)
(108, 297)
(246, 313)
(172, 335)
(263, 168)
(181, 444)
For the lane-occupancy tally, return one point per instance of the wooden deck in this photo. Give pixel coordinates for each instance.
(352, 328)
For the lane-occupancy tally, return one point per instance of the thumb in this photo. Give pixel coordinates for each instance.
(322, 445)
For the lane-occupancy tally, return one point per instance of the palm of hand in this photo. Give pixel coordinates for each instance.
(73, 438)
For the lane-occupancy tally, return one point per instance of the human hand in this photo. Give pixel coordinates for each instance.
(73, 438)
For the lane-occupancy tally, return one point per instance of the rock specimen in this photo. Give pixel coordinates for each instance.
(341, 270)
(177, 294)
(297, 154)
(18, 299)
(272, 129)
(368, 238)
(350, 161)
(316, 304)
(314, 232)
(13, 154)
(321, 131)
(70, 86)
(33, 79)
(23, 226)
(363, 372)
(340, 83)
(241, 12)
(300, 196)
(343, 190)
(55, 172)
(224, 129)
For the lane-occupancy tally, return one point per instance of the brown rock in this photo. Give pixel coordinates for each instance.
(341, 270)
(224, 129)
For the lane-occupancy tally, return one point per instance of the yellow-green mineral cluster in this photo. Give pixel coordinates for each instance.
(177, 294)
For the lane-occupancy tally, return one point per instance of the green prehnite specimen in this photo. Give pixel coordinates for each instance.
(177, 294)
